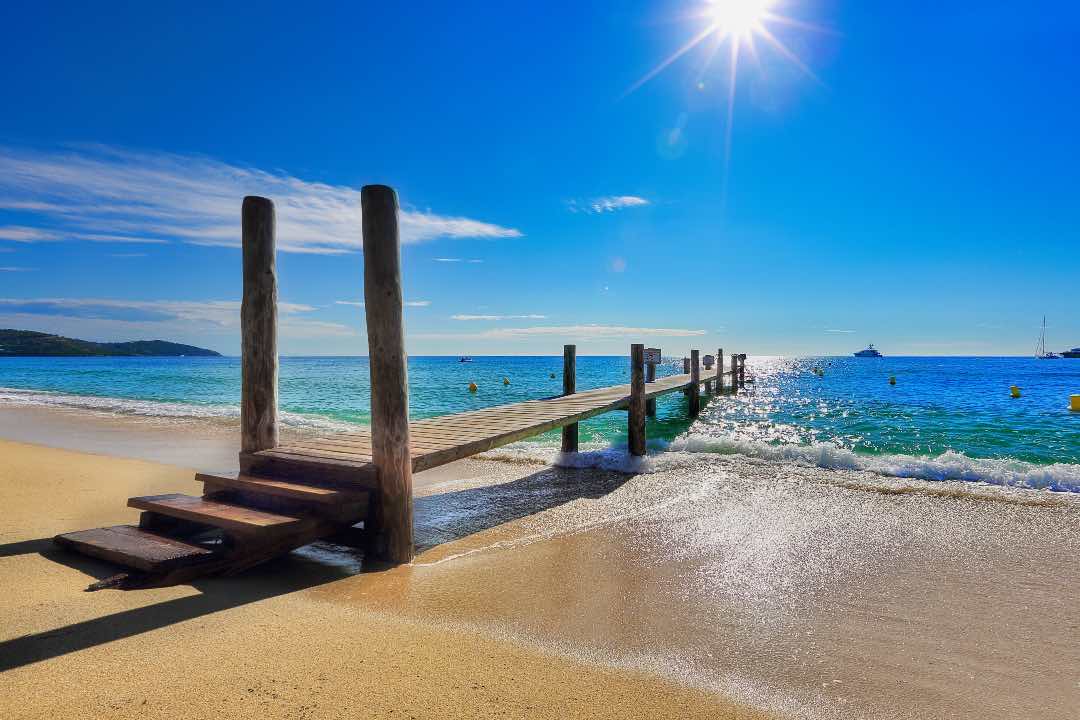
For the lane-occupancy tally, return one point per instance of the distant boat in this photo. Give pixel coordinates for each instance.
(868, 352)
(1040, 349)
(1074, 353)
(465, 358)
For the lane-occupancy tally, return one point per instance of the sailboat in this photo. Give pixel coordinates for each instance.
(1040, 349)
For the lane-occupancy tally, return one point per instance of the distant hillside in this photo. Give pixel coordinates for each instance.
(24, 343)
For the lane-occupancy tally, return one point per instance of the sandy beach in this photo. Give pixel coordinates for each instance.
(711, 587)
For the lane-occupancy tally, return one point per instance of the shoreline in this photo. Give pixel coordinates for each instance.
(711, 584)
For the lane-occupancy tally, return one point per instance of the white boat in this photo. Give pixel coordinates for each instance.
(1040, 349)
(871, 351)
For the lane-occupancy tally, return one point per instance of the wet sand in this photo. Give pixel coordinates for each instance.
(708, 587)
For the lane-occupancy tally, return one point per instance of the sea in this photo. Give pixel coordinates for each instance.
(944, 419)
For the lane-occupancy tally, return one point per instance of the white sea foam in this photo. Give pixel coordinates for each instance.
(1063, 477)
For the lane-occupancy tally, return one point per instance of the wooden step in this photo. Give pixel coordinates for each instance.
(129, 546)
(233, 518)
(283, 489)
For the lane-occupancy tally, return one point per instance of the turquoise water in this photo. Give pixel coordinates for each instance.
(946, 418)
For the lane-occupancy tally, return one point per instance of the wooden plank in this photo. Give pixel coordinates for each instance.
(281, 488)
(129, 546)
(258, 328)
(217, 514)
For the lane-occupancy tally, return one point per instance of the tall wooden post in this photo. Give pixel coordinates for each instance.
(720, 371)
(636, 416)
(569, 387)
(686, 371)
(389, 374)
(695, 378)
(258, 328)
(742, 370)
(734, 372)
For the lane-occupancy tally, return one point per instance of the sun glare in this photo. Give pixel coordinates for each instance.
(740, 18)
(738, 25)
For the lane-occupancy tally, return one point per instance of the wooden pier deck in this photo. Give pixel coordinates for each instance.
(290, 494)
(347, 457)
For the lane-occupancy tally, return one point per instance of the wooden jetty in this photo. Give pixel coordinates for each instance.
(290, 494)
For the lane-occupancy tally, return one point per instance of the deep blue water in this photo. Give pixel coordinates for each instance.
(938, 406)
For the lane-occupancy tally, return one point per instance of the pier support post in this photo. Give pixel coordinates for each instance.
(686, 371)
(720, 371)
(258, 328)
(734, 372)
(389, 374)
(695, 379)
(742, 370)
(636, 416)
(650, 376)
(569, 387)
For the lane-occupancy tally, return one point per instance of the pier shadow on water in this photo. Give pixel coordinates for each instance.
(439, 518)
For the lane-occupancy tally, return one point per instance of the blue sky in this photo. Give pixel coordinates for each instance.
(915, 186)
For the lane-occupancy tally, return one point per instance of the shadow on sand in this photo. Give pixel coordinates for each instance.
(439, 519)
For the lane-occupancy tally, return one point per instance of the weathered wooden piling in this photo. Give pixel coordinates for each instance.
(389, 374)
(719, 371)
(742, 369)
(258, 328)
(695, 378)
(636, 414)
(734, 372)
(686, 371)
(569, 387)
(650, 376)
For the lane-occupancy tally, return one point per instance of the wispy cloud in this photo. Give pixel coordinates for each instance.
(583, 332)
(458, 260)
(607, 204)
(499, 317)
(16, 269)
(842, 332)
(408, 303)
(104, 194)
(127, 255)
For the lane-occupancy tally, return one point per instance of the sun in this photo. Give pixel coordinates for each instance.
(738, 18)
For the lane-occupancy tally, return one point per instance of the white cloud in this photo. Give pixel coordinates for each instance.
(607, 204)
(843, 332)
(584, 332)
(104, 194)
(499, 317)
(458, 260)
(408, 303)
(16, 269)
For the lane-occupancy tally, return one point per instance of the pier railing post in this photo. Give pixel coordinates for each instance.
(636, 416)
(720, 371)
(734, 372)
(258, 328)
(695, 379)
(569, 387)
(389, 374)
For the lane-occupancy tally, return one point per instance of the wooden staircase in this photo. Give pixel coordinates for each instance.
(237, 523)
